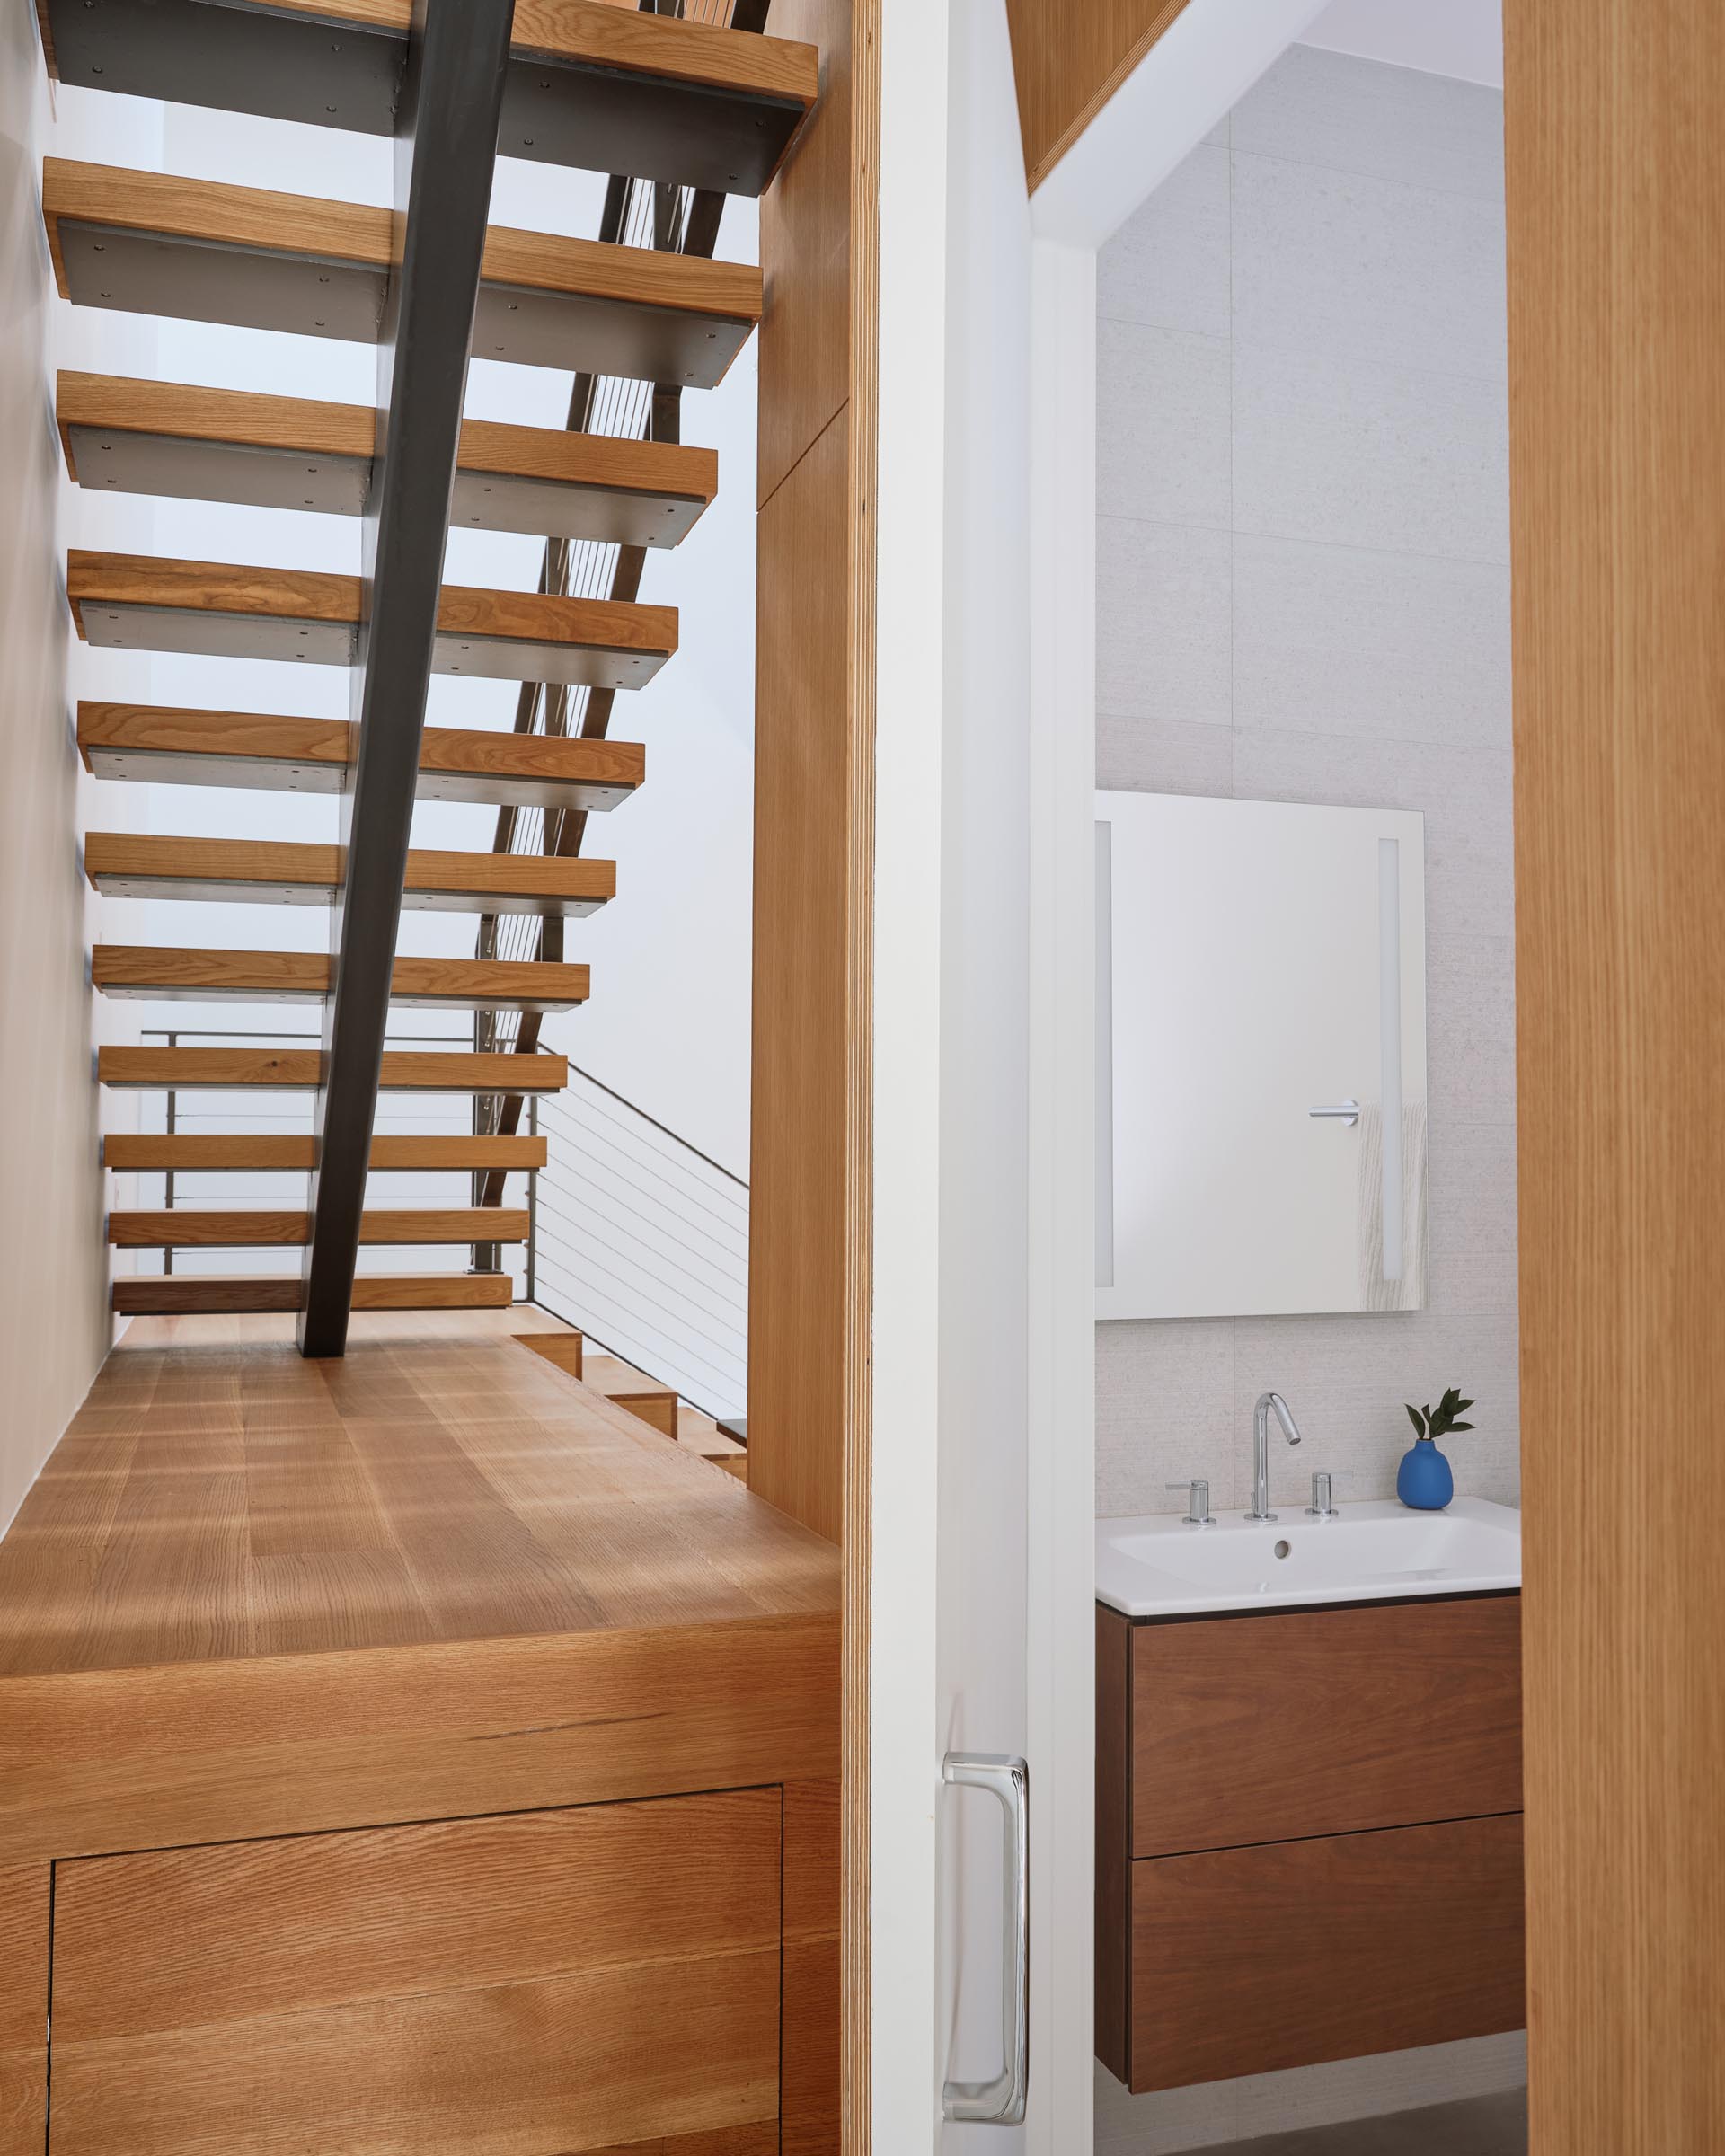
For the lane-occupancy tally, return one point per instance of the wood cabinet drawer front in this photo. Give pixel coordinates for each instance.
(544, 1983)
(1246, 1960)
(1329, 1721)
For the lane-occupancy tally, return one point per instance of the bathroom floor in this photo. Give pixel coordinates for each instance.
(1482, 2126)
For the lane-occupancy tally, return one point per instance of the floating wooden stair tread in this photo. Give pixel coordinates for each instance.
(305, 976)
(202, 252)
(138, 603)
(147, 1294)
(280, 872)
(651, 1403)
(187, 1227)
(405, 1070)
(178, 1152)
(165, 746)
(289, 453)
(589, 84)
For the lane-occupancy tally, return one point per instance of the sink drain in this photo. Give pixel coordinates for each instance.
(1284, 1548)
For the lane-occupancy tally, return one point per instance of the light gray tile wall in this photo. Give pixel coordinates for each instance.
(1303, 596)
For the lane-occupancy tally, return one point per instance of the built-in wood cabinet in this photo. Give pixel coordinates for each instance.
(558, 1981)
(1308, 1835)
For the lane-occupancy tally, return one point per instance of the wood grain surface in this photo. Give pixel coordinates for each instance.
(304, 594)
(24, 1905)
(253, 1596)
(1615, 180)
(1292, 1953)
(1069, 56)
(608, 33)
(561, 1980)
(197, 1227)
(258, 219)
(1331, 1721)
(129, 1153)
(683, 472)
(128, 855)
(489, 983)
(181, 1294)
(1114, 1945)
(405, 1070)
(811, 2013)
(270, 737)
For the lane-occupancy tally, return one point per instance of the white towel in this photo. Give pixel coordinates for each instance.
(1408, 1293)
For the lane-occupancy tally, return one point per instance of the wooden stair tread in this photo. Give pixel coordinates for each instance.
(693, 103)
(405, 1070)
(157, 1294)
(202, 250)
(199, 1152)
(154, 865)
(656, 1404)
(168, 745)
(305, 976)
(187, 1227)
(292, 452)
(137, 602)
(618, 1380)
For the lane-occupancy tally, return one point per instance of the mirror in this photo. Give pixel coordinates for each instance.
(1260, 1057)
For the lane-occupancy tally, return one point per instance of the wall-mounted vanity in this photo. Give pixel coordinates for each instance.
(1308, 1789)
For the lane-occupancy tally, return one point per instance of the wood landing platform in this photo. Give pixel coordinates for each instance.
(415, 1751)
(252, 1595)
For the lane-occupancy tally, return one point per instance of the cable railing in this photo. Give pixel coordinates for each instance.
(641, 1242)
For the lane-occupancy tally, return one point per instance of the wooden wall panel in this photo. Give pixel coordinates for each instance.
(808, 2073)
(24, 2009)
(1070, 57)
(573, 1980)
(809, 1434)
(1616, 171)
(802, 927)
(806, 252)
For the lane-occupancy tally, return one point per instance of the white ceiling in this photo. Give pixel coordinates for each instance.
(1445, 37)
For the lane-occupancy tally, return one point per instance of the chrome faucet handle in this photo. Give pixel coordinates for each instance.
(1321, 1507)
(1197, 1501)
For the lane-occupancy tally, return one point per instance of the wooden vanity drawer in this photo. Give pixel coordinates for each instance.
(1330, 1721)
(1246, 1960)
(541, 1984)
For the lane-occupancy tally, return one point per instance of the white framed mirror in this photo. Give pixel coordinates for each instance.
(1260, 1057)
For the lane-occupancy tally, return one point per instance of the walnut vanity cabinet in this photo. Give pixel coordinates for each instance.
(1308, 1835)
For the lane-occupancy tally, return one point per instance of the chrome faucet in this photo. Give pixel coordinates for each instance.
(1260, 1449)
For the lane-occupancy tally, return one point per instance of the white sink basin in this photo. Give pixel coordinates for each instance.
(1157, 1566)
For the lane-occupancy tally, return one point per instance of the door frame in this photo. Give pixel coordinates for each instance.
(1195, 72)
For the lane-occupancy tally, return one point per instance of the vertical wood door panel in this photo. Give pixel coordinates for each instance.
(1329, 1720)
(803, 1012)
(539, 1985)
(23, 2008)
(1615, 180)
(1248, 1960)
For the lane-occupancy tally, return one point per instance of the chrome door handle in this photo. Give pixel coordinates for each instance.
(1348, 1110)
(1000, 2102)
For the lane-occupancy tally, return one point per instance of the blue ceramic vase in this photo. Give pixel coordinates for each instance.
(1423, 1481)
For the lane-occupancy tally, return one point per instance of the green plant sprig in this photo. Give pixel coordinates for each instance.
(1444, 1418)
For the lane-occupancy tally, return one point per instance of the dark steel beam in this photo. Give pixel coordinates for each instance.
(445, 151)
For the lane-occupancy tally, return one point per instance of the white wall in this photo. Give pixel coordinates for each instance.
(1304, 594)
(54, 1320)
